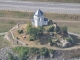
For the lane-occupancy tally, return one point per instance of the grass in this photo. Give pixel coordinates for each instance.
(74, 30)
(16, 14)
(65, 1)
(29, 15)
(6, 25)
(3, 42)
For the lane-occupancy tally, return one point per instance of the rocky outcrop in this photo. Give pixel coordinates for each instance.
(4, 53)
(64, 44)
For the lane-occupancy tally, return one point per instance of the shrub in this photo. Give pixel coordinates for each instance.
(51, 51)
(20, 31)
(44, 51)
(51, 29)
(69, 39)
(64, 29)
(50, 41)
(50, 22)
(34, 50)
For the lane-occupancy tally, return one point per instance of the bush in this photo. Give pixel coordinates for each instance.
(24, 51)
(51, 29)
(64, 29)
(51, 51)
(50, 22)
(44, 51)
(57, 29)
(34, 50)
(69, 39)
(20, 31)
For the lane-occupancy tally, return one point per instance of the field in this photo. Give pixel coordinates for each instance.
(10, 18)
(29, 15)
(65, 1)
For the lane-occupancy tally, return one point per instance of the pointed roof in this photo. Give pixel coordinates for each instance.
(38, 13)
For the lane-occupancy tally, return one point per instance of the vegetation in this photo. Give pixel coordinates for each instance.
(51, 29)
(25, 51)
(50, 41)
(69, 39)
(10, 56)
(64, 29)
(20, 31)
(34, 33)
(29, 15)
(51, 51)
(44, 51)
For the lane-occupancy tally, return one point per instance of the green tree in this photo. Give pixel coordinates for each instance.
(57, 29)
(51, 29)
(23, 56)
(40, 30)
(29, 27)
(44, 51)
(69, 39)
(64, 29)
(50, 41)
(20, 31)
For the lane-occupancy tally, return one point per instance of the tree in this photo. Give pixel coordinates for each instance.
(51, 29)
(44, 51)
(29, 27)
(64, 29)
(57, 29)
(69, 39)
(23, 51)
(23, 56)
(50, 41)
(20, 31)
(40, 30)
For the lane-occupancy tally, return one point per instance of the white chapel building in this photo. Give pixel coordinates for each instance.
(38, 19)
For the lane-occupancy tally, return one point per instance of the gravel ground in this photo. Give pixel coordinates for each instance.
(4, 53)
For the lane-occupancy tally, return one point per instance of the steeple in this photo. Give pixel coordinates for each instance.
(38, 13)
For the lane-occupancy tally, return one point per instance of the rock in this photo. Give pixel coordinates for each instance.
(64, 44)
(51, 55)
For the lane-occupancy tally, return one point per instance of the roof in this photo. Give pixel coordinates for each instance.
(38, 13)
(45, 19)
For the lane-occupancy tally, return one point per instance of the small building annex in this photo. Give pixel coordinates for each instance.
(38, 19)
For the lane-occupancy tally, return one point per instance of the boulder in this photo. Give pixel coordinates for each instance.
(64, 44)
